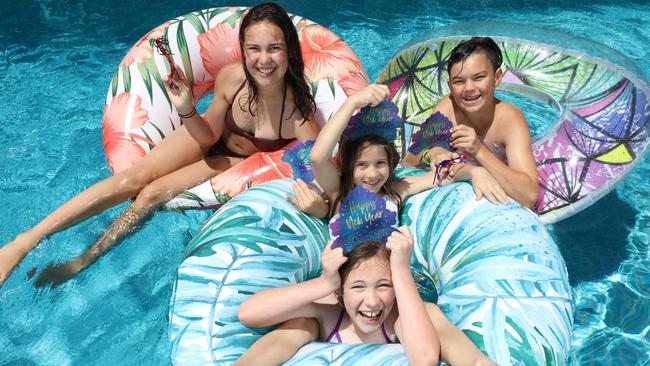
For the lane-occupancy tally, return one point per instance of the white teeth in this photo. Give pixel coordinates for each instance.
(265, 71)
(370, 314)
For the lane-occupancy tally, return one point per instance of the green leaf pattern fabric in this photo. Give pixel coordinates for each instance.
(495, 271)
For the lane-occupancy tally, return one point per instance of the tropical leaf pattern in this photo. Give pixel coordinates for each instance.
(495, 270)
(202, 42)
(598, 139)
(257, 240)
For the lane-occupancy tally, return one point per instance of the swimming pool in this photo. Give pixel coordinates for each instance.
(56, 60)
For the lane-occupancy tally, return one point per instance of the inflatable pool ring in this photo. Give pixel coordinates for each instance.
(493, 270)
(602, 98)
(138, 113)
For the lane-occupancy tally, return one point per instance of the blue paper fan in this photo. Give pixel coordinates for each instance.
(382, 120)
(363, 216)
(433, 132)
(299, 158)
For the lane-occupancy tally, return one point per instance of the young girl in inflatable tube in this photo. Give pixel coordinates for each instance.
(262, 104)
(366, 296)
(490, 134)
(357, 297)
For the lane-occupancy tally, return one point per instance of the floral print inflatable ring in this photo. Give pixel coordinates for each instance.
(138, 113)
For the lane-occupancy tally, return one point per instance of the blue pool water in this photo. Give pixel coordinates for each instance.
(56, 61)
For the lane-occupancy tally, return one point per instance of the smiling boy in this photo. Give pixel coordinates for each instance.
(492, 135)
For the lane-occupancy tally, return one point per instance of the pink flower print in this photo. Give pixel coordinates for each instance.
(201, 88)
(353, 82)
(326, 56)
(121, 117)
(219, 47)
(258, 168)
(142, 50)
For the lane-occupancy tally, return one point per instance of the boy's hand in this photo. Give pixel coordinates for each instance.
(371, 95)
(332, 260)
(308, 200)
(437, 154)
(445, 173)
(400, 244)
(486, 186)
(465, 139)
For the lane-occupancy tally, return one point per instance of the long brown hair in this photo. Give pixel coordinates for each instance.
(295, 75)
(349, 152)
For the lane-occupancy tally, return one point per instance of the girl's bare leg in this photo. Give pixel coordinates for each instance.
(456, 348)
(174, 152)
(280, 344)
(149, 199)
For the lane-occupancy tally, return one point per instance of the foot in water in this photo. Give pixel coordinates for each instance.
(12, 253)
(56, 275)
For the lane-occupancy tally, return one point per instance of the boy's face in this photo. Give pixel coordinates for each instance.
(472, 83)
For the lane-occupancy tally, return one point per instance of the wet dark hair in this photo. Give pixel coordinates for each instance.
(295, 75)
(363, 252)
(349, 152)
(474, 45)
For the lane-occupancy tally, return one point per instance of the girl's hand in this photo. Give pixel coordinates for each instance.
(371, 95)
(180, 94)
(400, 244)
(486, 186)
(465, 139)
(308, 200)
(332, 260)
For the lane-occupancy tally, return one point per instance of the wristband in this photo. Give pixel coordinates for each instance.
(191, 114)
(424, 159)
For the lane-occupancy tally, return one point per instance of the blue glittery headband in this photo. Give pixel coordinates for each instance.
(363, 216)
(298, 156)
(382, 120)
(433, 132)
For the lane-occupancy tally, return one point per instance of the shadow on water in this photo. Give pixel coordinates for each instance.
(593, 241)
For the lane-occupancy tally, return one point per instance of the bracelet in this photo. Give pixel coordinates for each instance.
(191, 114)
(424, 159)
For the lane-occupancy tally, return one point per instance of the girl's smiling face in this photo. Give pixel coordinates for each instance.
(472, 83)
(265, 51)
(368, 295)
(371, 169)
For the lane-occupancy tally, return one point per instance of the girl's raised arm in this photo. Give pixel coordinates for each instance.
(325, 172)
(206, 129)
(280, 304)
(415, 184)
(413, 326)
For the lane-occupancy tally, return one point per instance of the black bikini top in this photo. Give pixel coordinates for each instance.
(261, 144)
